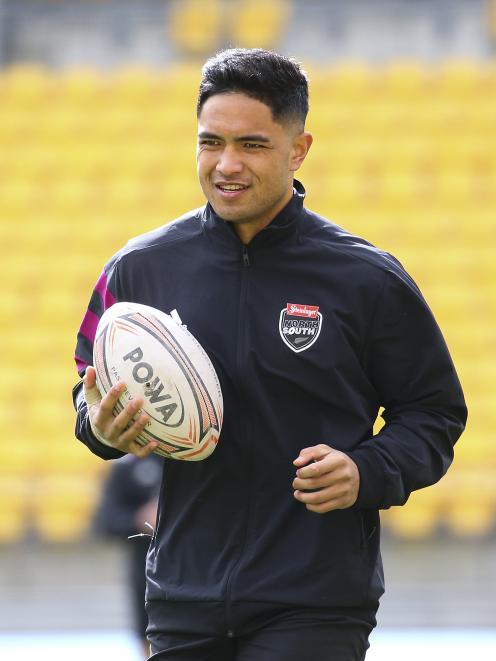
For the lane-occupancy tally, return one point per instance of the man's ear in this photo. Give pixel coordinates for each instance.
(301, 144)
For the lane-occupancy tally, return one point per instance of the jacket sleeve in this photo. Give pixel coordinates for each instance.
(104, 296)
(409, 365)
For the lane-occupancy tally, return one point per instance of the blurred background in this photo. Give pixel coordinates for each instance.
(97, 144)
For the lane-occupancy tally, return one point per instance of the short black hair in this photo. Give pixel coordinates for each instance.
(273, 79)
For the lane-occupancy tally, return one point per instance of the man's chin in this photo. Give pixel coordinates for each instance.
(230, 215)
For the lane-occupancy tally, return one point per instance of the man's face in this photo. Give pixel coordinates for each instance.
(246, 160)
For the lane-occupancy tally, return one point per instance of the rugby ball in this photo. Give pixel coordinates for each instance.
(160, 361)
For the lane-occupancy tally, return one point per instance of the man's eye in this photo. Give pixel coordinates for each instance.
(209, 143)
(253, 145)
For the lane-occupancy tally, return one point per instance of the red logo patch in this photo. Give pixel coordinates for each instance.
(297, 310)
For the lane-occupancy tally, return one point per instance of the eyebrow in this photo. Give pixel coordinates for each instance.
(206, 135)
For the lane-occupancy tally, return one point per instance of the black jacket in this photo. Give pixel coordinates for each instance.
(229, 528)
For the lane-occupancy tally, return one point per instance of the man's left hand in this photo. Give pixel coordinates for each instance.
(332, 476)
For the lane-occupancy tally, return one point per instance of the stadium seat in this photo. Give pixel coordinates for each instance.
(257, 23)
(419, 518)
(14, 508)
(26, 86)
(472, 506)
(196, 26)
(351, 81)
(461, 79)
(405, 80)
(82, 88)
(63, 506)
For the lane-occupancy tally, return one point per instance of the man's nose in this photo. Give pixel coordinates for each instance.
(229, 162)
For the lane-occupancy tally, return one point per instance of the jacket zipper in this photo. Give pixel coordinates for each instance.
(240, 358)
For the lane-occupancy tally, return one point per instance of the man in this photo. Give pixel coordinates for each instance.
(269, 550)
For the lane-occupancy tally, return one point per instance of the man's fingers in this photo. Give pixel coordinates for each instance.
(111, 398)
(119, 431)
(333, 492)
(313, 453)
(89, 378)
(126, 432)
(118, 426)
(304, 484)
(327, 499)
(92, 395)
(325, 464)
(143, 451)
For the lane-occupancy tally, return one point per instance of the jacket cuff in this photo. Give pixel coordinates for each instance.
(373, 482)
(83, 429)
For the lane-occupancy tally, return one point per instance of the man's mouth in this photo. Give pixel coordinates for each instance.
(231, 188)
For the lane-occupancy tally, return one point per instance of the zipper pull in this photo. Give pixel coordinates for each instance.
(246, 256)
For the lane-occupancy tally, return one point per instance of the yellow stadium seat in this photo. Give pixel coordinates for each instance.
(352, 81)
(71, 196)
(26, 86)
(66, 454)
(196, 25)
(179, 85)
(63, 506)
(82, 88)
(64, 125)
(465, 153)
(14, 507)
(257, 23)
(406, 80)
(438, 116)
(459, 79)
(133, 87)
(402, 191)
(83, 161)
(338, 193)
(18, 458)
(472, 508)
(21, 201)
(32, 163)
(17, 127)
(342, 156)
(332, 120)
(418, 519)
(482, 418)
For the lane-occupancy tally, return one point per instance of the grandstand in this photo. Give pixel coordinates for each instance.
(404, 155)
(97, 144)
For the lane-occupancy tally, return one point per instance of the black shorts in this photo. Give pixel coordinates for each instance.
(185, 631)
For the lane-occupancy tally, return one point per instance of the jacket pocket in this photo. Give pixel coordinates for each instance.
(368, 526)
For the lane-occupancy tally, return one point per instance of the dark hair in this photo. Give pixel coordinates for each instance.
(273, 79)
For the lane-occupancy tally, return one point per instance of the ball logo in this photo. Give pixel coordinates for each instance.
(168, 407)
(299, 325)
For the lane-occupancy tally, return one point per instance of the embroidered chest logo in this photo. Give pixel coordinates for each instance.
(299, 325)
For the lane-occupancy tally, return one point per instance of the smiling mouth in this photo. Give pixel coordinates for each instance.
(231, 188)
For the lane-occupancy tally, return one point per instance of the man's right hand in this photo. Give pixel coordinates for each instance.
(119, 432)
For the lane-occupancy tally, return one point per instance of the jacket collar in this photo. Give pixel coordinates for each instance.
(281, 226)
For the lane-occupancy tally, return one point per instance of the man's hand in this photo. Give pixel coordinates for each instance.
(332, 473)
(119, 432)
